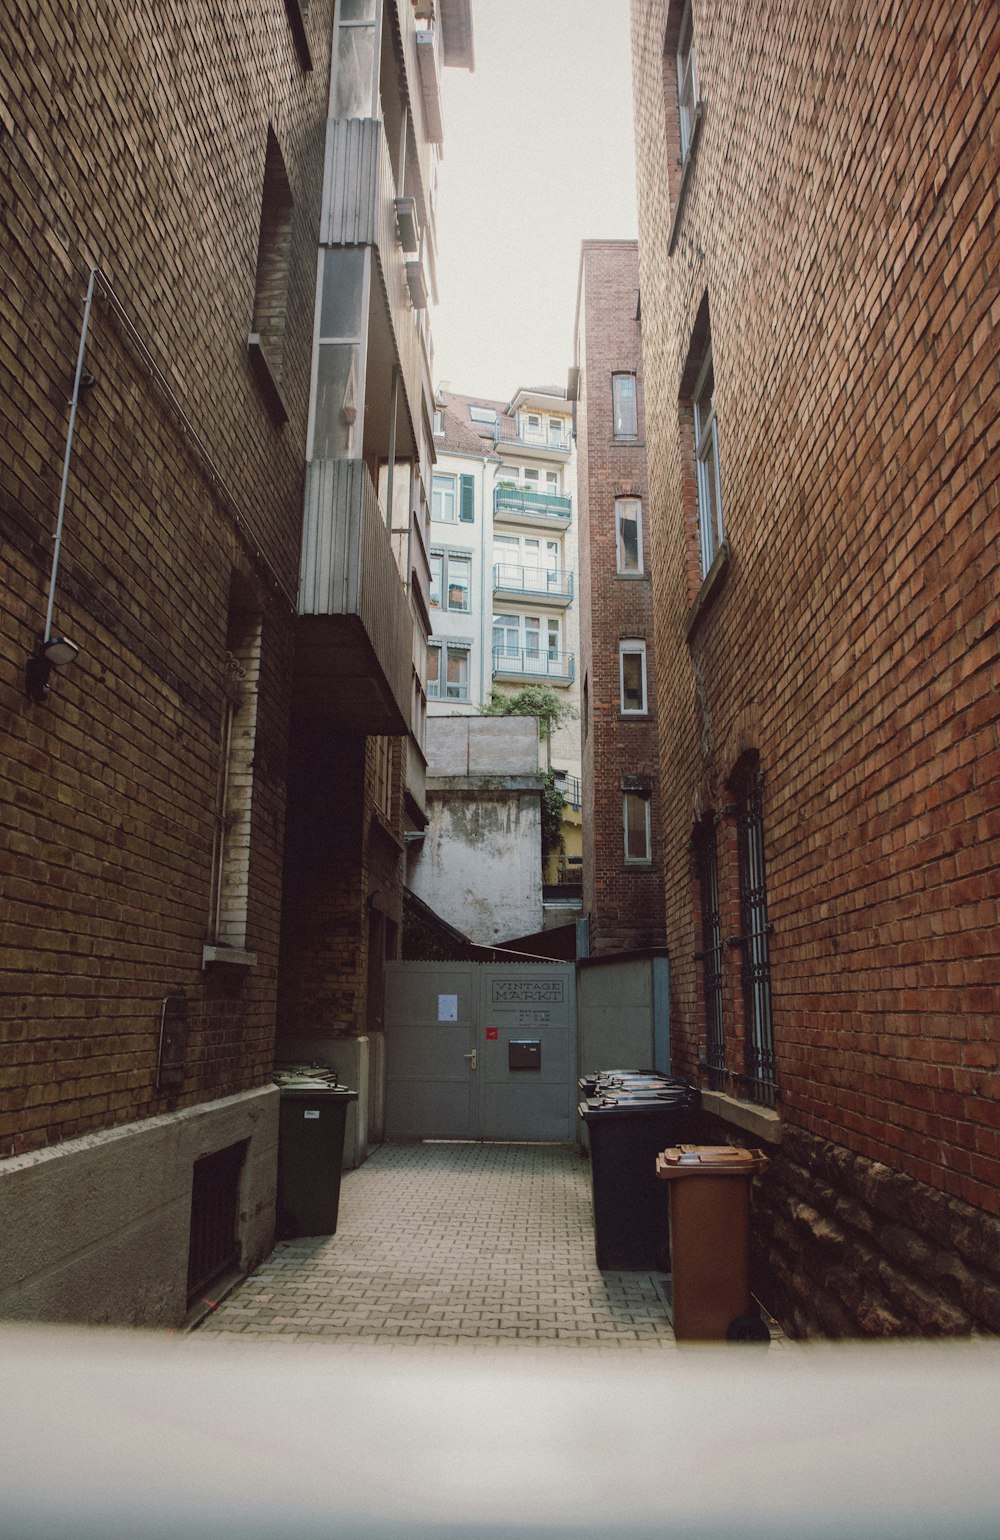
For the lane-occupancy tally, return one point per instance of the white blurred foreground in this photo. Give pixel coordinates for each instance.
(106, 1435)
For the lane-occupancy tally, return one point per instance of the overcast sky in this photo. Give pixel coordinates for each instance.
(538, 156)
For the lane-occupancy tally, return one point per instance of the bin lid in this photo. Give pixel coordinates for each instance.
(709, 1160)
(635, 1104)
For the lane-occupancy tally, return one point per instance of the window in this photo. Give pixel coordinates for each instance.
(531, 477)
(231, 856)
(555, 433)
(448, 671)
(483, 414)
(635, 814)
(338, 423)
(687, 83)
(552, 483)
(760, 1075)
(439, 425)
(626, 422)
(706, 448)
(274, 245)
(628, 536)
(711, 955)
(382, 779)
(451, 581)
(632, 677)
(443, 507)
(528, 643)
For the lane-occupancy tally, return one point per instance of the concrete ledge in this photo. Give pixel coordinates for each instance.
(763, 1122)
(96, 1229)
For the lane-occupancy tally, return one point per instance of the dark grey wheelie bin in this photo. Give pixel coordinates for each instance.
(627, 1130)
(312, 1123)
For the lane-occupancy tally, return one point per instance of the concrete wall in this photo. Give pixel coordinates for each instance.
(96, 1229)
(622, 1010)
(479, 865)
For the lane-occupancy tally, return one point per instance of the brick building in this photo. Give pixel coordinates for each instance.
(623, 860)
(818, 227)
(165, 185)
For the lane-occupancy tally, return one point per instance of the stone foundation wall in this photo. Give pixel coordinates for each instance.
(845, 1247)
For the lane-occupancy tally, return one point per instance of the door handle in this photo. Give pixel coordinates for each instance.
(472, 1057)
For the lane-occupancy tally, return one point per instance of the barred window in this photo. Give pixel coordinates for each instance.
(760, 1073)
(710, 956)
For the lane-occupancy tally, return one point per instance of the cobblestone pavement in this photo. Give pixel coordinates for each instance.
(452, 1244)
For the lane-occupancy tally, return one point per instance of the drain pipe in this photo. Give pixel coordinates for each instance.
(74, 403)
(57, 650)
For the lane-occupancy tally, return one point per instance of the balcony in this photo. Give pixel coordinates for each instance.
(543, 440)
(553, 589)
(516, 505)
(520, 665)
(354, 639)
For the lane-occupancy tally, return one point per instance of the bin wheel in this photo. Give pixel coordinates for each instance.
(748, 1328)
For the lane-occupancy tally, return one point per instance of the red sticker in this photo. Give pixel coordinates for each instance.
(492, 1033)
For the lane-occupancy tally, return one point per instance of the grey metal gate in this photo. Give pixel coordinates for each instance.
(480, 1051)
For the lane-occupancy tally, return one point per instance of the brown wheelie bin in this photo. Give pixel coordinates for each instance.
(710, 1236)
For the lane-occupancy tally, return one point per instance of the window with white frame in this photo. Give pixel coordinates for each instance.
(448, 670)
(439, 425)
(451, 581)
(483, 414)
(444, 505)
(706, 448)
(687, 82)
(637, 828)
(632, 677)
(555, 433)
(628, 536)
(552, 483)
(623, 400)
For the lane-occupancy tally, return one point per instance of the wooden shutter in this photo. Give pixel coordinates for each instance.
(467, 511)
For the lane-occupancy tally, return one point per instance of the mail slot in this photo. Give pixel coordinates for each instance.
(524, 1053)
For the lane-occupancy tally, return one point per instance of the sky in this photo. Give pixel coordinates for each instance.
(538, 156)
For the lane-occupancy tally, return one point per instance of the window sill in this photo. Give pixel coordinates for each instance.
(763, 1122)
(685, 179)
(634, 716)
(229, 956)
(266, 380)
(297, 22)
(633, 577)
(381, 825)
(713, 582)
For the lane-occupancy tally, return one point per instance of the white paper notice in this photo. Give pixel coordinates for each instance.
(447, 1007)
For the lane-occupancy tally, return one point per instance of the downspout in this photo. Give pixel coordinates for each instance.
(74, 403)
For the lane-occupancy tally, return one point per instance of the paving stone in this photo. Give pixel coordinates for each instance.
(484, 1246)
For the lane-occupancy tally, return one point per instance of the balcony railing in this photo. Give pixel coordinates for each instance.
(532, 438)
(533, 582)
(523, 663)
(538, 507)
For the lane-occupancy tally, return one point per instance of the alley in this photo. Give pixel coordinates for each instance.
(471, 1244)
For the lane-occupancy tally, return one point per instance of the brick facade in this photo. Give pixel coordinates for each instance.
(832, 236)
(623, 902)
(110, 798)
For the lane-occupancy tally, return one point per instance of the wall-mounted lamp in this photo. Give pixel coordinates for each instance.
(54, 653)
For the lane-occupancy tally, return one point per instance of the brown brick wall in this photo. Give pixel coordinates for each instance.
(343, 861)
(134, 138)
(624, 903)
(841, 216)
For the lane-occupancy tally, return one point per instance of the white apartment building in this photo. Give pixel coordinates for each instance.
(503, 556)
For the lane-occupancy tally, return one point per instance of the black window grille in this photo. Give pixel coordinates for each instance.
(706, 850)
(760, 1077)
(215, 1196)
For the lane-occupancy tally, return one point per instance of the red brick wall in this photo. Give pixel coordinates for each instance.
(624, 903)
(841, 216)
(133, 137)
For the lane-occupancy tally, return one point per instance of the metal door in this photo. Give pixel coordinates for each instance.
(431, 1022)
(481, 1051)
